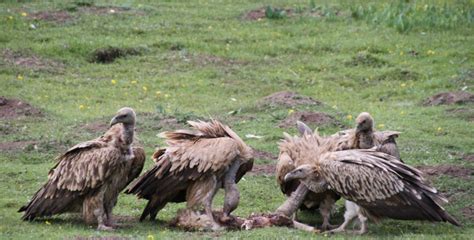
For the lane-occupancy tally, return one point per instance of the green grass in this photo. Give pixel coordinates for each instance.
(203, 59)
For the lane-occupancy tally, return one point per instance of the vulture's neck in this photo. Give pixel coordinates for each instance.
(128, 131)
(366, 139)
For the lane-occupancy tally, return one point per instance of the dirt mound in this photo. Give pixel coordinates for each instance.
(51, 16)
(267, 12)
(102, 10)
(29, 61)
(260, 154)
(468, 212)
(287, 98)
(311, 118)
(14, 108)
(450, 170)
(263, 169)
(446, 98)
(18, 145)
(109, 54)
(95, 127)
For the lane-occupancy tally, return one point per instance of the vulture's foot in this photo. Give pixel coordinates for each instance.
(103, 227)
(327, 227)
(339, 229)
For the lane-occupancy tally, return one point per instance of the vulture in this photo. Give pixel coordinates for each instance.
(193, 167)
(89, 176)
(362, 137)
(378, 183)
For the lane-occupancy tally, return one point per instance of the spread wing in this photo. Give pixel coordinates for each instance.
(78, 172)
(382, 185)
(180, 165)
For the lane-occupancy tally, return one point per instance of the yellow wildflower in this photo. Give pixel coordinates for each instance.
(403, 85)
(430, 52)
(349, 117)
(24, 14)
(113, 81)
(439, 129)
(401, 53)
(150, 237)
(134, 82)
(19, 77)
(47, 222)
(402, 113)
(210, 27)
(158, 93)
(290, 111)
(10, 17)
(81, 107)
(167, 95)
(381, 125)
(145, 88)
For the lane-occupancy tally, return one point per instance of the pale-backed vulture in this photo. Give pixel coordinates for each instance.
(90, 175)
(378, 183)
(193, 167)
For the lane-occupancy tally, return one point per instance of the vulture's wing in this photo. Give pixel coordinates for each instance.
(382, 185)
(181, 164)
(79, 171)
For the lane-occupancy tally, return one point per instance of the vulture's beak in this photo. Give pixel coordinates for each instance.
(290, 176)
(114, 121)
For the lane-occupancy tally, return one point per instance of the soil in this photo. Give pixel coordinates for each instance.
(109, 54)
(264, 169)
(450, 170)
(468, 212)
(260, 154)
(30, 61)
(463, 113)
(215, 60)
(15, 108)
(102, 10)
(310, 118)
(447, 98)
(468, 157)
(287, 98)
(18, 145)
(52, 16)
(96, 127)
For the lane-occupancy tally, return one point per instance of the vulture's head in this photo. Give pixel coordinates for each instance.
(364, 122)
(125, 115)
(303, 172)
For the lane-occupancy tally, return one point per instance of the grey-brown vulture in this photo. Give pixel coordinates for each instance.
(89, 176)
(193, 167)
(381, 185)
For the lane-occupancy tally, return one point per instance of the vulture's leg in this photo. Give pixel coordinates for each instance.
(363, 223)
(292, 203)
(351, 213)
(154, 211)
(304, 227)
(95, 205)
(325, 209)
(208, 202)
(232, 195)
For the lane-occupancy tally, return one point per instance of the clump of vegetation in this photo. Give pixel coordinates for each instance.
(400, 75)
(275, 13)
(366, 59)
(407, 15)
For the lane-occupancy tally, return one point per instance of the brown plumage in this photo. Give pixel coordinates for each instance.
(377, 182)
(90, 175)
(193, 167)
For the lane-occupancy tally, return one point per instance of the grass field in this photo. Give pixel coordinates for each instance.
(78, 62)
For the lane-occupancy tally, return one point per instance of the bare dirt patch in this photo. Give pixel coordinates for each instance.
(206, 59)
(287, 98)
(104, 10)
(14, 108)
(100, 238)
(261, 13)
(447, 98)
(30, 61)
(260, 154)
(110, 54)
(51, 16)
(367, 60)
(450, 170)
(95, 127)
(468, 157)
(18, 145)
(263, 169)
(311, 118)
(468, 212)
